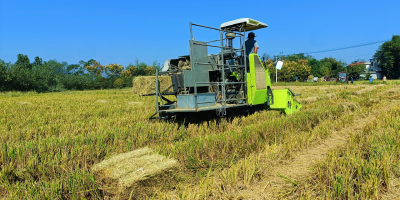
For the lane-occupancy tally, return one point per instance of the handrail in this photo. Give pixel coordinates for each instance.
(241, 35)
(206, 27)
(226, 83)
(157, 91)
(209, 45)
(219, 64)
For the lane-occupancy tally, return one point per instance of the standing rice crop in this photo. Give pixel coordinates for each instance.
(48, 147)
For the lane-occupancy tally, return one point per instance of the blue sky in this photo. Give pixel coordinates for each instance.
(121, 31)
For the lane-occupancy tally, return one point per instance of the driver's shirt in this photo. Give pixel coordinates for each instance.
(250, 45)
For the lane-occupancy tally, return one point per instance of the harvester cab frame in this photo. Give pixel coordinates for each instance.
(203, 82)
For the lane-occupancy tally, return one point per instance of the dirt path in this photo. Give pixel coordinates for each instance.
(301, 166)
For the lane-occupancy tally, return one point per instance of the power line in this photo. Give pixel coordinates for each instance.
(349, 47)
(358, 56)
(343, 48)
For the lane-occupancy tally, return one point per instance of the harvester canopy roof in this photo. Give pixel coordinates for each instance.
(250, 24)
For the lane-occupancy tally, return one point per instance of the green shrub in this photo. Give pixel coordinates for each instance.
(368, 75)
(119, 83)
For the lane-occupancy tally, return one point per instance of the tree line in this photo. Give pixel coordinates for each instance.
(300, 66)
(54, 76)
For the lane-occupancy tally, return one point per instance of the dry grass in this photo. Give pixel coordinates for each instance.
(101, 101)
(331, 96)
(135, 103)
(392, 91)
(130, 173)
(147, 84)
(367, 88)
(24, 103)
(348, 106)
(255, 178)
(366, 168)
(373, 100)
(308, 100)
(50, 147)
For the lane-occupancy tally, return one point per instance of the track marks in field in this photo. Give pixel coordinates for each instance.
(281, 178)
(301, 166)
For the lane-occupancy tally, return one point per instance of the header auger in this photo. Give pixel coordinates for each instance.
(227, 81)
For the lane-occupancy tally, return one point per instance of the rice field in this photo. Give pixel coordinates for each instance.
(343, 144)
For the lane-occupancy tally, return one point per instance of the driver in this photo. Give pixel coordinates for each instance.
(251, 44)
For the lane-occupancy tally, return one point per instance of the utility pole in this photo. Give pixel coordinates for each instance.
(276, 75)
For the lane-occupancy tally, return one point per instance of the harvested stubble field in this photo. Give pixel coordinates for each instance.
(343, 144)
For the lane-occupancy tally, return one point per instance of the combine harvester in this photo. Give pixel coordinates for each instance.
(222, 82)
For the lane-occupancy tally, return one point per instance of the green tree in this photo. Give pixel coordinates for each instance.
(75, 69)
(334, 65)
(296, 57)
(388, 57)
(4, 75)
(23, 61)
(113, 70)
(21, 76)
(325, 71)
(38, 61)
(88, 63)
(52, 76)
(288, 70)
(355, 70)
(315, 67)
(95, 69)
(302, 69)
(119, 83)
(358, 61)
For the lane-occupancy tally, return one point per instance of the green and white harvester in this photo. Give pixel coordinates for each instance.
(227, 81)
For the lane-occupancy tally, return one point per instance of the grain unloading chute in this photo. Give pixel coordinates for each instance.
(229, 80)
